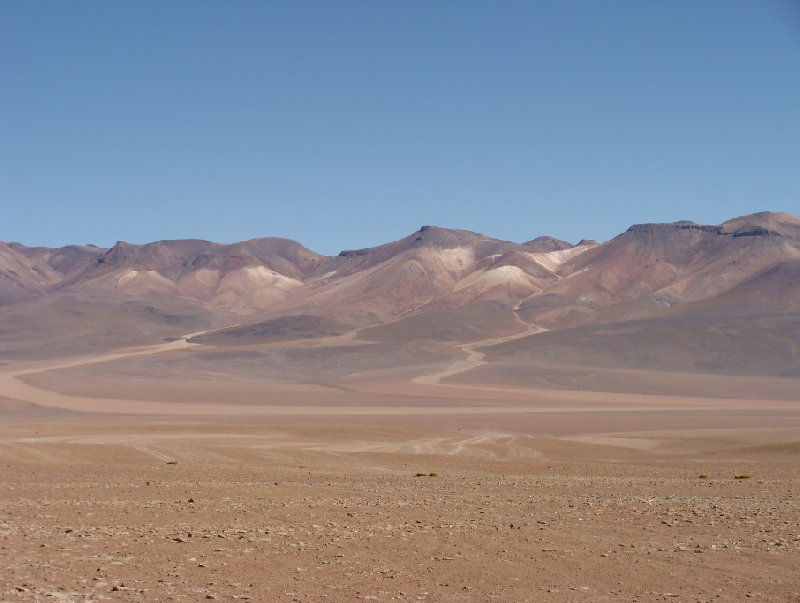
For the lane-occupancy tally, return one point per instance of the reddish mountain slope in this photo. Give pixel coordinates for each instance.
(745, 265)
(653, 267)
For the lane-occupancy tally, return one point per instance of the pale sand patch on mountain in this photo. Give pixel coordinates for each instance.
(251, 289)
(455, 259)
(140, 281)
(483, 281)
(552, 260)
(201, 284)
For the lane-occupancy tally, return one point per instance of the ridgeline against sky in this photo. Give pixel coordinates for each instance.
(351, 123)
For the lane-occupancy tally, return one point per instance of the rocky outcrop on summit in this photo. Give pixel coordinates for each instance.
(681, 225)
(750, 230)
(545, 244)
(756, 231)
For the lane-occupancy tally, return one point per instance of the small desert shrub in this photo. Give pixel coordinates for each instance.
(703, 476)
(741, 476)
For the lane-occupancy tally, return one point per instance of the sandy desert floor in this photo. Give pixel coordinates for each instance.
(116, 486)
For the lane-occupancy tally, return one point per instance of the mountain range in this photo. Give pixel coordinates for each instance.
(704, 297)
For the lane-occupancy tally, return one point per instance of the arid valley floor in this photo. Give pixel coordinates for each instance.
(393, 486)
(445, 417)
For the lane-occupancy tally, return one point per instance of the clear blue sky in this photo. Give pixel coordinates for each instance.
(348, 123)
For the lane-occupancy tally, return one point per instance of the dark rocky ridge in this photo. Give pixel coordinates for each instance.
(756, 231)
(719, 229)
(682, 225)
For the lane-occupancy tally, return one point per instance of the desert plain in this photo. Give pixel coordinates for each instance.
(124, 480)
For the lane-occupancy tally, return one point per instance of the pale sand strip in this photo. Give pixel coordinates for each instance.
(473, 360)
(13, 386)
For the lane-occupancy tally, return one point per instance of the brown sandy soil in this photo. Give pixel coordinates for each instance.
(276, 511)
(163, 473)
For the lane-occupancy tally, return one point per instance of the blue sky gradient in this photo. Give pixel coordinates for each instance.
(348, 124)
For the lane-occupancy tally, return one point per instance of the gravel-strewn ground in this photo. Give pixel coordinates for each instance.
(88, 513)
